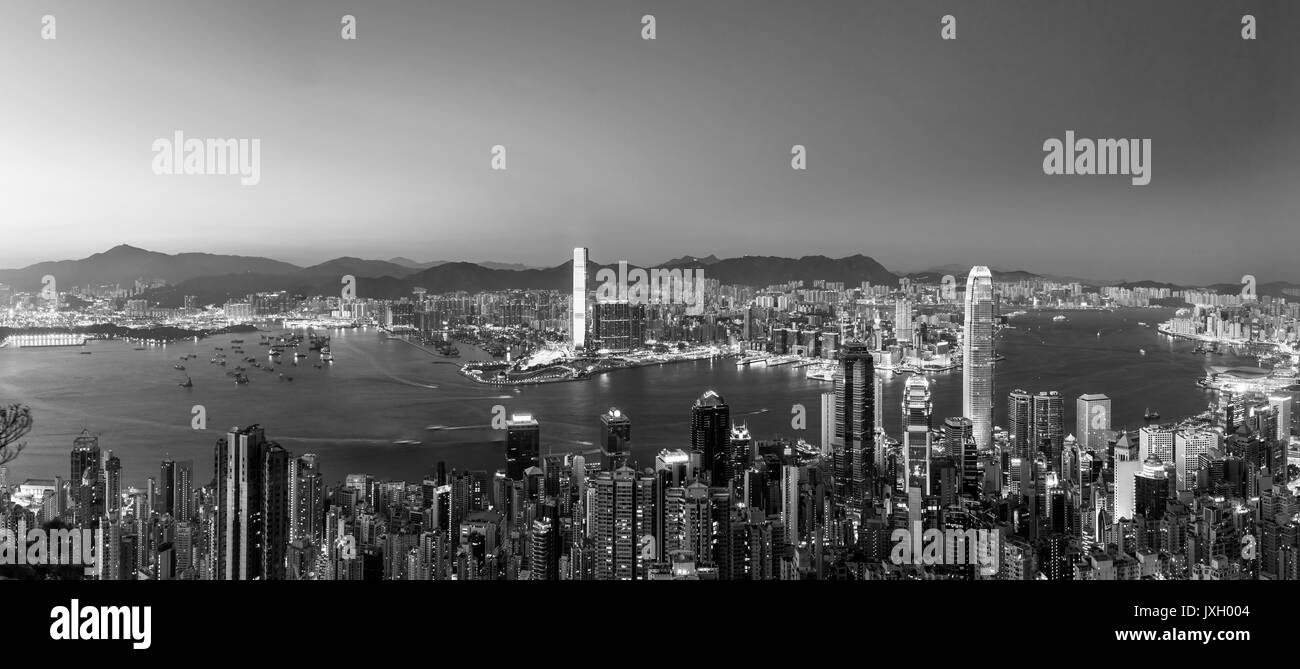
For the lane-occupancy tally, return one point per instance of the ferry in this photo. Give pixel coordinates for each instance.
(821, 372)
(38, 340)
(1059, 318)
(180, 367)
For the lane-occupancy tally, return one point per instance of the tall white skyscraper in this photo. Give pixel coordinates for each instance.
(828, 423)
(903, 321)
(1283, 404)
(977, 356)
(578, 303)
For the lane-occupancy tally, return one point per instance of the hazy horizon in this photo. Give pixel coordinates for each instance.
(921, 152)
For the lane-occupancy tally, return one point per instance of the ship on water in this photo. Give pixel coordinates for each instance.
(821, 372)
(43, 340)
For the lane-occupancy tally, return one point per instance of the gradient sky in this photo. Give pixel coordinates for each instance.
(921, 151)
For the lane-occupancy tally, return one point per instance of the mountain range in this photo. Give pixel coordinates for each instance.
(214, 278)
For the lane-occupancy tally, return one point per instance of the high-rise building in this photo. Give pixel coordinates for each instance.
(855, 411)
(1092, 422)
(84, 478)
(237, 466)
(112, 483)
(1189, 447)
(523, 445)
(166, 487)
(740, 449)
(578, 301)
(1157, 441)
(276, 531)
(977, 355)
(961, 445)
(1020, 424)
(618, 325)
(916, 441)
(1283, 404)
(252, 514)
(903, 322)
(828, 423)
(615, 439)
(711, 433)
(307, 499)
(1049, 426)
(1151, 489)
(615, 526)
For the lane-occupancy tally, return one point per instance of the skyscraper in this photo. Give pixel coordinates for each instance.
(615, 526)
(87, 496)
(855, 411)
(1283, 404)
(1092, 422)
(166, 486)
(112, 483)
(578, 301)
(916, 441)
(276, 531)
(1020, 422)
(961, 445)
(711, 433)
(977, 355)
(240, 468)
(615, 438)
(828, 423)
(523, 445)
(1049, 429)
(740, 449)
(903, 321)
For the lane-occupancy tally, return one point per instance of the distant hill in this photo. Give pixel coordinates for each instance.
(124, 264)
(411, 264)
(358, 267)
(390, 280)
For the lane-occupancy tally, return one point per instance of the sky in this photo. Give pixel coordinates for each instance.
(920, 151)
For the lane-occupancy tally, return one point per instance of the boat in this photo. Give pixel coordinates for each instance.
(1142, 351)
(820, 372)
(325, 354)
(236, 341)
(241, 379)
(86, 352)
(1151, 415)
(286, 378)
(178, 366)
(406, 442)
(1059, 318)
(188, 383)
